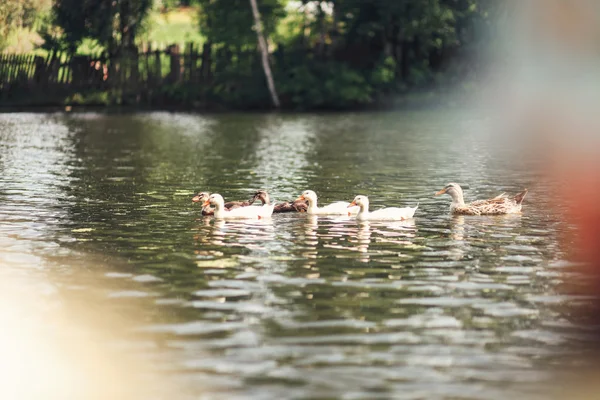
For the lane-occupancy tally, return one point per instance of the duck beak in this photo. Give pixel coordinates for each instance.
(301, 197)
(351, 204)
(196, 199)
(440, 192)
(206, 203)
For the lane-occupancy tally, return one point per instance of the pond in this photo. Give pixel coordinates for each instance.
(98, 207)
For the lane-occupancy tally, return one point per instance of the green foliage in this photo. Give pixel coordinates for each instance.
(114, 24)
(335, 54)
(384, 73)
(325, 85)
(20, 16)
(90, 98)
(231, 23)
(175, 26)
(170, 5)
(90, 46)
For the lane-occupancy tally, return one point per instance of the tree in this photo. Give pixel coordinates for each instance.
(18, 14)
(262, 44)
(229, 23)
(113, 24)
(237, 74)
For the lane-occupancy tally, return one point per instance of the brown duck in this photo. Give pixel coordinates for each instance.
(500, 204)
(202, 197)
(286, 206)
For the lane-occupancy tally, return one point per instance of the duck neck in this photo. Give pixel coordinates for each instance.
(266, 200)
(363, 210)
(312, 205)
(457, 199)
(219, 206)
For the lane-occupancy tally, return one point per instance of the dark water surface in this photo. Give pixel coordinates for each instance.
(299, 306)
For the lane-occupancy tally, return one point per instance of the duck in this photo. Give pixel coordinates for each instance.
(201, 197)
(221, 212)
(286, 206)
(384, 214)
(499, 205)
(337, 208)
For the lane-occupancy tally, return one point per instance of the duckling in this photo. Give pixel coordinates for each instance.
(337, 208)
(286, 206)
(202, 197)
(221, 212)
(500, 204)
(384, 214)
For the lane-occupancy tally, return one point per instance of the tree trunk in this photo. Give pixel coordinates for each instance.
(262, 44)
(322, 33)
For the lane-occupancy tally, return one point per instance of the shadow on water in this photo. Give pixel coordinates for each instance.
(298, 305)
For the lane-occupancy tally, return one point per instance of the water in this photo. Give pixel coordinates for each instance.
(97, 209)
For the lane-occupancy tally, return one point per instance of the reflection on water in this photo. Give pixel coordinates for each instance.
(297, 306)
(282, 156)
(247, 233)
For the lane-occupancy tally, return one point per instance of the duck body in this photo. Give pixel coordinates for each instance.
(286, 206)
(384, 214)
(202, 197)
(250, 212)
(294, 206)
(499, 205)
(337, 208)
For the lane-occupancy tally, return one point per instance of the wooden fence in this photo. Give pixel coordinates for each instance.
(140, 72)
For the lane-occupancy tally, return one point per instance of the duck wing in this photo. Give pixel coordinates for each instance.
(266, 210)
(283, 207)
(494, 206)
(501, 204)
(230, 205)
(339, 207)
(300, 205)
(252, 212)
(289, 206)
(393, 213)
(520, 197)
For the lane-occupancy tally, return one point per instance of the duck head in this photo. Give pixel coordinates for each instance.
(309, 196)
(263, 196)
(453, 190)
(201, 197)
(214, 199)
(361, 201)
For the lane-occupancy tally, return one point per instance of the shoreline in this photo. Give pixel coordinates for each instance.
(416, 100)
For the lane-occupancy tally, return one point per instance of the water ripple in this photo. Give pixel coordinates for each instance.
(296, 306)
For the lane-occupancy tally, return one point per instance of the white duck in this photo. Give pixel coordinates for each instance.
(251, 212)
(337, 208)
(385, 214)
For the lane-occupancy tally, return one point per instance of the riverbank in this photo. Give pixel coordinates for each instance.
(422, 99)
(207, 78)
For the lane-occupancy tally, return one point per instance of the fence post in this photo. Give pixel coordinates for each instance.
(134, 72)
(158, 65)
(206, 61)
(175, 63)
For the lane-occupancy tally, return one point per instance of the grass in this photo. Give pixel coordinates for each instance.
(177, 26)
(23, 41)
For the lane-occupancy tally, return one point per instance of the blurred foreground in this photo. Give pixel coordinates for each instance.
(64, 342)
